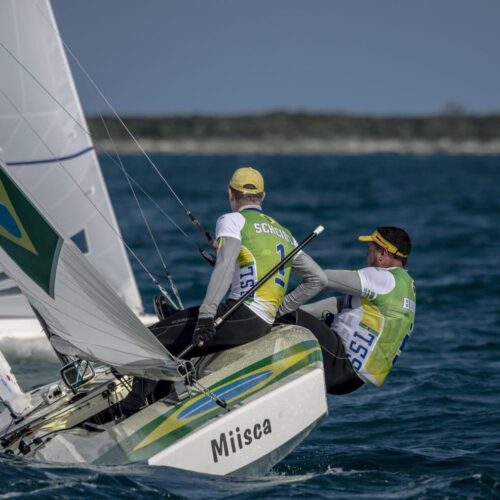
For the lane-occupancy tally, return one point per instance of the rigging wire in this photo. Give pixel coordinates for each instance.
(186, 369)
(117, 233)
(196, 222)
(210, 394)
(143, 215)
(206, 255)
(149, 273)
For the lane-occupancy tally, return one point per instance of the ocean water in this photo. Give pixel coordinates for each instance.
(433, 429)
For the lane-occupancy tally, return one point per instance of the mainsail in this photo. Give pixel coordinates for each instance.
(69, 294)
(45, 143)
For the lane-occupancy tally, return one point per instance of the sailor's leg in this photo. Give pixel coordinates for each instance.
(142, 389)
(241, 327)
(176, 331)
(340, 377)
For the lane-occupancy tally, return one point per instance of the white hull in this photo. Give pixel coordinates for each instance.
(221, 448)
(275, 392)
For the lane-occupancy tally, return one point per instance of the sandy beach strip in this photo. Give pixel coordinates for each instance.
(279, 145)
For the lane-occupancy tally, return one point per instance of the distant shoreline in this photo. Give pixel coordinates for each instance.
(302, 133)
(355, 146)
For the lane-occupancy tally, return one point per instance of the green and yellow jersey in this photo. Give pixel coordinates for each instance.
(374, 326)
(264, 243)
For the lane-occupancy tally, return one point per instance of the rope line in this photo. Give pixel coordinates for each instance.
(196, 222)
(117, 233)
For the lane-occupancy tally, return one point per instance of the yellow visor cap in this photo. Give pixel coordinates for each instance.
(247, 180)
(377, 238)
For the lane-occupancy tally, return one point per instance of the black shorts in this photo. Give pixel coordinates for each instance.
(340, 377)
(176, 331)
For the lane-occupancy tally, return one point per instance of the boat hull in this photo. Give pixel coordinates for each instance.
(275, 392)
(254, 436)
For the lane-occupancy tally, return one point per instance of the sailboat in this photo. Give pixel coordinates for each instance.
(45, 143)
(237, 411)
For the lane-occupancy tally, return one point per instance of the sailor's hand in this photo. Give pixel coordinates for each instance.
(328, 318)
(204, 331)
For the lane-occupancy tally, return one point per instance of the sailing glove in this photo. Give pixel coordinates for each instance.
(328, 318)
(204, 331)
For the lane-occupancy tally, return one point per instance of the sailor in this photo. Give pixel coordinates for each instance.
(250, 243)
(363, 332)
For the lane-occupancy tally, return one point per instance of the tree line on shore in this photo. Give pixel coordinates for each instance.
(285, 125)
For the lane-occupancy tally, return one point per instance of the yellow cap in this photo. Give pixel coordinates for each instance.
(247, 180)
(377, 238)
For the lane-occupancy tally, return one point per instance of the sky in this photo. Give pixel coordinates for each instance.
(225, 57)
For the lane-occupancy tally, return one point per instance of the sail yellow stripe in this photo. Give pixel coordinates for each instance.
(23, 240)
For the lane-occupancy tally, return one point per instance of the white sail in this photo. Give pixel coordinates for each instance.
(69, 294)
(43, 141)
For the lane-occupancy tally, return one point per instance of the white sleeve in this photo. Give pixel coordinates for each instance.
(230, 225)
(295, 245)
(375, 281)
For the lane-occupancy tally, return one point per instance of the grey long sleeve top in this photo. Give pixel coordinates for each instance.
(222, 276)
(313, 281)
(345, 282)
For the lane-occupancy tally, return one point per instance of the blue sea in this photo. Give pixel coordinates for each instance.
(433, 429)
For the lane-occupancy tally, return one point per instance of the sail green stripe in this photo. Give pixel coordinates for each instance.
(28, 239)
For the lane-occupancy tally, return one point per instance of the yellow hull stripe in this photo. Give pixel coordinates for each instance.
(171, 424)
